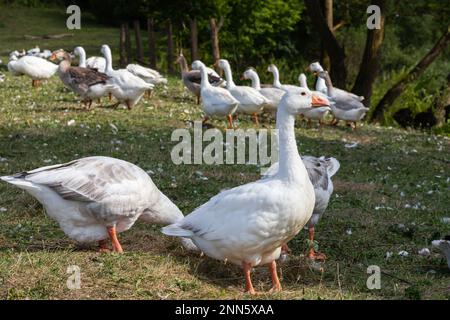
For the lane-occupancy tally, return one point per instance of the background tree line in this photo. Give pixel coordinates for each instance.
(403, 65)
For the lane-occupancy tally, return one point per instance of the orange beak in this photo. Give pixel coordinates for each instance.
(319, 101)
(53, 57)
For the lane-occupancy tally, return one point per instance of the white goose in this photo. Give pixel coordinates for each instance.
(320, 171)
(344, 108)
(315, 113)
(250, 100)
(97, 197)
(130, 88)
(247, 225)
(216, 101)
(147, 74)
(98, 63)
(321, 86)
(276, 79)
(272, 94)
(36, 68)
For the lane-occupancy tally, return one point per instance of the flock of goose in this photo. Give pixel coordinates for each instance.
(259, 98)
(95, 198)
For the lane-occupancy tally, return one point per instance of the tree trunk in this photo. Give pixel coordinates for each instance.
(151, 42)
(328, 13)
(170, 55)
(370, 63)
(122, 50)
(334, 50)
(417, 71)
(194, 39)
(137, 32)
(442, 103)
(128, 44)
(215, 28)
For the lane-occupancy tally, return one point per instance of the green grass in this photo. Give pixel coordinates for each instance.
(16, 22)
(390, 168)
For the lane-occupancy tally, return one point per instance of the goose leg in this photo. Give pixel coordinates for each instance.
(285, 249)
(110, 96)
(33, 83)
(99, 101)
(255, 119)
(276, 285)
(230, 121)
(248, 280)
(313, 255)
(353, 125)
(128, 103)
(115, 242)
(103, 246)
(198, 99)
(89, 104)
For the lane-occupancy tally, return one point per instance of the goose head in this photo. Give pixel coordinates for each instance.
(301, 100)
(314, 67)
(197, 65)
(105, 50)
(223, 64)
(248, 74)
(272, 68)
(78, 51)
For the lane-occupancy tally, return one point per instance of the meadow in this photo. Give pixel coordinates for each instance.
(391, 195)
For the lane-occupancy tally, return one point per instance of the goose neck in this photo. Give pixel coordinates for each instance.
(82, 57)
(303, 82)
(229, 77)
(276, 78)
(183, 64)
(204, 74)
(108, 58)
(291, 167)
(329, 84)
(256, 83)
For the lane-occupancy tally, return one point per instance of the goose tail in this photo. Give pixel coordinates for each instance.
(175, 230)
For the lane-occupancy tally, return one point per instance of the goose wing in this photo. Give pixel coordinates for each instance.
(87, 76)
(107, 185)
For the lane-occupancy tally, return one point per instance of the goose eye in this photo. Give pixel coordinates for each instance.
(303, 93)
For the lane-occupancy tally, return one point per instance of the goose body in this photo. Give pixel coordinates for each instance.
(97, 63)
(320, 171)
(272, 94)
(129, 88)
(88, 83)
(91, 196)
(250, 100)
(348, 108)
(216, 101)
(247, 225)
(147, 74)
(34, 67)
